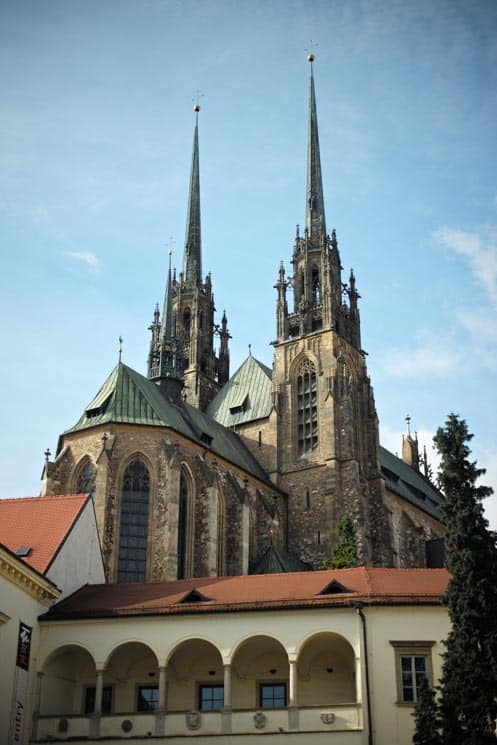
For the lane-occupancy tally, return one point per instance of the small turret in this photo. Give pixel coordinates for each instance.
(165, 363)
(410, 448)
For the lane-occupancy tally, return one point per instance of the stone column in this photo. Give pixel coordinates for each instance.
(226, 713)
(160, 714)
(293, 711)
(97, 713)
(162, 688)
(98, 692)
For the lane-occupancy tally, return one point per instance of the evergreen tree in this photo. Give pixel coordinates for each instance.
(468, 701)
(426, 717)
(344, 554)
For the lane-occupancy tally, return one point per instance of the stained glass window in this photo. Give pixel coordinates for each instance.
(86, 480)
(132, 561)
(307, 411)
(184, 494)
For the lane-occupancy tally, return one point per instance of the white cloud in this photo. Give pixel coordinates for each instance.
(480, 249)
(86, 257)
(433, 356)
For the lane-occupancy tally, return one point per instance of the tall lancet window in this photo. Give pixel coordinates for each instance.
(185, 526)
(316, 287)
(135, 497)
(86, 479)
(307, 407)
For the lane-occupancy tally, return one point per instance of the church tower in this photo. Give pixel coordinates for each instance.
(182, 346)
(327, 429)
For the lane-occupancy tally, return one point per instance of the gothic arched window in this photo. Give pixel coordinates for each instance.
(186, 324)
(307, 409)
(133, 536)
(315, 286)
(85, 483)
(184, 526)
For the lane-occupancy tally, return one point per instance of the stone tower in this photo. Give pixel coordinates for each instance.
(187, 335)
(327, 429)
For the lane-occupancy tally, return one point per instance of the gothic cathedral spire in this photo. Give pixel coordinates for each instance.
(192, 262)
(165, 362)
(327, 428)
(182, 347)
(315, 223)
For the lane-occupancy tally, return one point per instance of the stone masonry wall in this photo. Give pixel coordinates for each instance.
(213, 483)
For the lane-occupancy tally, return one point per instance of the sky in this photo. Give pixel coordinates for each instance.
(96, 128)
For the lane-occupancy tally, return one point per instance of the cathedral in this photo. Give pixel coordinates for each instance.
(196, 473)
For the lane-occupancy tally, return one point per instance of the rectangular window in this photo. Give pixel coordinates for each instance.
(413, 671)
(272, 695)
(89, 706)
(148, 698)
(211, 697)
(412, 665)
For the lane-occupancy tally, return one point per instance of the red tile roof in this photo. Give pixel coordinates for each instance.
(40, 523)
(369, 585)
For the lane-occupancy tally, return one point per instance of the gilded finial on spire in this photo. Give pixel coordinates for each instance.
(311, 56)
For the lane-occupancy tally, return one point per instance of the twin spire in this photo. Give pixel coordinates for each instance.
(192, 262)
(314, 217)
(166, 359)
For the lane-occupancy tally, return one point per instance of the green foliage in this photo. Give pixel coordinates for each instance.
(468, 700)
(344, 554)
(426, 717)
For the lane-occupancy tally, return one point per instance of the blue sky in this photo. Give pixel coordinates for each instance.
(96, 128)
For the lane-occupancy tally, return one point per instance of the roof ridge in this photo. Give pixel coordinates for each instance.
(78, 495)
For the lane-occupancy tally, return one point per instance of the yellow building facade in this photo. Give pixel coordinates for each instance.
(327, 656)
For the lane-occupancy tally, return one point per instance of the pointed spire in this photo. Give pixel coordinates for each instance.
(167, 329)
(315, 220)
(192, 264)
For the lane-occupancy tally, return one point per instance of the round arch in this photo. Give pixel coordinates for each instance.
(132, 672)
(68, 671)
(260, 672)
(326, 669)
(124, 642)
(194, 669)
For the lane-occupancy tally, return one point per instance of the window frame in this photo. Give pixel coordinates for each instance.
(138, 688)
(201, 687)
(306, 403)
(87, 688)
(141, 541)
(411, 649)
(273, 683)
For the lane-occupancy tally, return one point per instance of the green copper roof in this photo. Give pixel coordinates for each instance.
(245, 397)
(127, 397)
(408, 483)
(277, 560)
